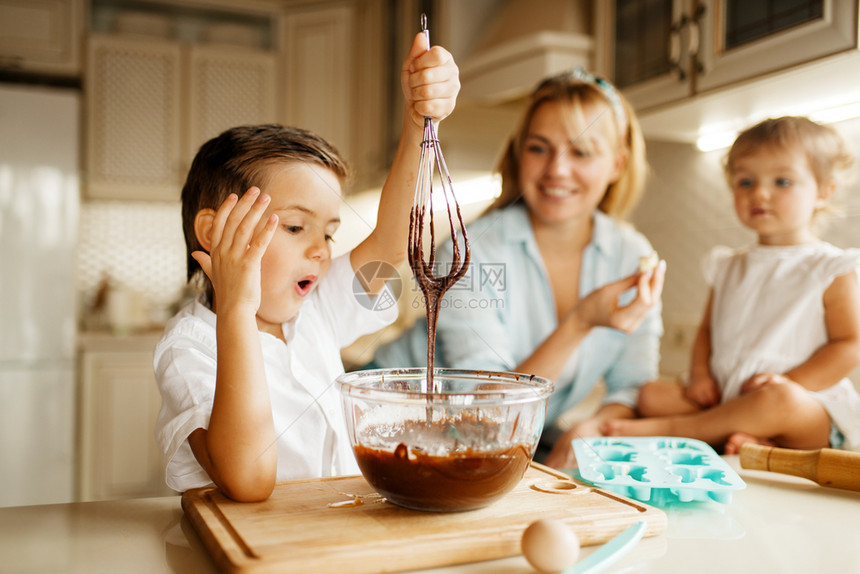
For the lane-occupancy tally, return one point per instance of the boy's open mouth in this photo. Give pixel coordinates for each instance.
(303, 287)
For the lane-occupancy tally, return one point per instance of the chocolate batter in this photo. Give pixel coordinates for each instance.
(458, 481)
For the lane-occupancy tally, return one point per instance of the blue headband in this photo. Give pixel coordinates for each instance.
(608, 91)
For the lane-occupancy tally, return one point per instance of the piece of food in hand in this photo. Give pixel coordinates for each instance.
(648, 262)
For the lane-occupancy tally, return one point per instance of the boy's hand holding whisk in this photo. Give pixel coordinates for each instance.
(430, 81)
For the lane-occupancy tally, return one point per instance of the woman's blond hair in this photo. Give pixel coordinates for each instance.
(577, 94)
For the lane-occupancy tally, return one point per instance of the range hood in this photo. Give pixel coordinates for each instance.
(510, 45)
(511, 70)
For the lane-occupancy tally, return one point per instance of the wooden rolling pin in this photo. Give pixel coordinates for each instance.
(826, 466)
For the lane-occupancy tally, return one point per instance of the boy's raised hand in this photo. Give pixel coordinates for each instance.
(236, 246)
(430, 81)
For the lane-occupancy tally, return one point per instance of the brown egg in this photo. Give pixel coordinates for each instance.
(550, 545)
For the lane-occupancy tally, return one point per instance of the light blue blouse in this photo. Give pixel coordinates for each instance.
(497, 315)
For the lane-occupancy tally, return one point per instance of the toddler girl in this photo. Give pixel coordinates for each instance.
(781, 329)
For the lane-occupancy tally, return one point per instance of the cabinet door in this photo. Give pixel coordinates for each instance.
(742, 40)
(133, 119)
(318, 72)
(41, 36)
(228, 87)
(119, 406)
(643, 46)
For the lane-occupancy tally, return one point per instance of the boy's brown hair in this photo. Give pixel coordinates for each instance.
(238, 159)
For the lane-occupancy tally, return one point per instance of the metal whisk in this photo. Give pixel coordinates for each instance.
(434, 286)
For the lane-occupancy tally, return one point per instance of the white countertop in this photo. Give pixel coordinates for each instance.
(777, 524)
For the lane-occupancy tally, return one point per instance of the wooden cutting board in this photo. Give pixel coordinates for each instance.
(335, 525)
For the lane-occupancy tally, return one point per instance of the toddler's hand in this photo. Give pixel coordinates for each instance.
(761, 379)
(430, 81)
(703, 391)
(237, 245)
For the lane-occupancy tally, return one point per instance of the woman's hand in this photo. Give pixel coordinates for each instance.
(562, 454)
(601, 307)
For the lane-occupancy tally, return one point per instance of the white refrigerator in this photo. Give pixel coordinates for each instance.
(39, 204)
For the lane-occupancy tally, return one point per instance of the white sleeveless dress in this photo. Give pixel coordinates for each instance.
(768, 316)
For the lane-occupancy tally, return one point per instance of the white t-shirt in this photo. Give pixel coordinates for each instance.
(768, 316)
(309, 422)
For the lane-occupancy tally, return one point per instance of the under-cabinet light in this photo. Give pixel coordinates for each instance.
(837, 114)
(716, 140)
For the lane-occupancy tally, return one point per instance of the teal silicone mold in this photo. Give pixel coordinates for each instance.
(656, 469)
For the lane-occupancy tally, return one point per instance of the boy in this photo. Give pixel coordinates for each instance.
(246, 371)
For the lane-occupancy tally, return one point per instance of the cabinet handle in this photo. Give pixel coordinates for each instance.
(675, 32)
(695, 38)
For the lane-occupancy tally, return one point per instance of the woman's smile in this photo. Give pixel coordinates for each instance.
(556, 191)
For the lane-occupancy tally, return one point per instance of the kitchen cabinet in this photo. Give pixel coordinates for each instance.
(337, 83)
(118, 403)
(228, 87)
(152, 102)
(662, 51)
(638, 45)
(318, 73)
(41, 36)
(133, 98)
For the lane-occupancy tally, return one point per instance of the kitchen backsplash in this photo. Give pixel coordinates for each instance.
(139, 250)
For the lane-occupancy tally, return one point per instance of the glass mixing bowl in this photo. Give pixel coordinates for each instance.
(460, 448)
